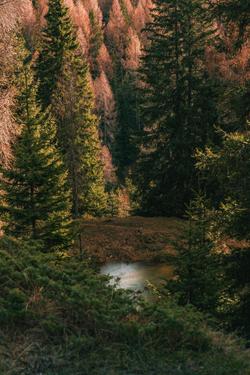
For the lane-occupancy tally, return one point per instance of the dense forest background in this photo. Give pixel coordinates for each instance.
(109, 34)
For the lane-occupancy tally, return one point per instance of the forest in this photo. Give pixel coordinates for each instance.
(124, 187)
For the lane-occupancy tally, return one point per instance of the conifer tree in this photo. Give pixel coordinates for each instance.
(178, 103)
(96, 40)
(79, 139)
(237, 11)
(198, 276)
(129, 124)
(34, 191)
(229, 166)
(58, 38)
(64, 83)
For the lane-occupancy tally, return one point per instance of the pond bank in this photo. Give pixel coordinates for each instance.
(137, 276)
(130, 239)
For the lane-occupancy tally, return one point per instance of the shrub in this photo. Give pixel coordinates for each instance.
(59, 317)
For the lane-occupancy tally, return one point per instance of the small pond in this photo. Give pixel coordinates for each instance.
(136, 276)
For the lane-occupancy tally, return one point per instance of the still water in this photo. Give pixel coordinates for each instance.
(136, 276)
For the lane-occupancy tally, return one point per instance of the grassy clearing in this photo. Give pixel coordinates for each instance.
(130, 238)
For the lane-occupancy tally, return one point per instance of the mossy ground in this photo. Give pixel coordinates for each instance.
(130, 238)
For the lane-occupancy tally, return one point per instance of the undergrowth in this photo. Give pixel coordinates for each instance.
(58, 317)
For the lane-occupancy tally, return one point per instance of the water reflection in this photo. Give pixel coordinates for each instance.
(135, 276)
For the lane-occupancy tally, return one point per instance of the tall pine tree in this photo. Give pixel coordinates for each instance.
(229, 166)
(34, 191)
(179, 103)
(64, 82)
(198, 277)
(238, 12)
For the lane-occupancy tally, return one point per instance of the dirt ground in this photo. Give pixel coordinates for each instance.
(130, 238)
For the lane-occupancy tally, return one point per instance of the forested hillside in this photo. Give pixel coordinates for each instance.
(109, 34)
(124, 146)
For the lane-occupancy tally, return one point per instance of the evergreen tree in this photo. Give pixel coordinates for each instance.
(64, 81)
(58, 39)
(229, 166)
(127, 148)
(34, 192)
(96, 40)
(178, 105)
(79, 139)
(234, 102)
(197, 266)
(237, 11)
(237, 266)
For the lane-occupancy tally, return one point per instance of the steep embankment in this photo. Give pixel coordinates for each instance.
(58, 317)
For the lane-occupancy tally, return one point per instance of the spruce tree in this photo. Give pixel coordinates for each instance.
(129, 124)
(198, 277)
(229, 166)
(79, 139)
(95, 43)
(234, 17)
(57, 39)
(238, 12)
(34, 191)
(64, 83)
(178, 103)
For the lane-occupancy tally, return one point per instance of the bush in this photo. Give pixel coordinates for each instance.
(198, 274)
(59, 317)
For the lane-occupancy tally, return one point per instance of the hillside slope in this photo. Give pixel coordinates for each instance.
(110, 35)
